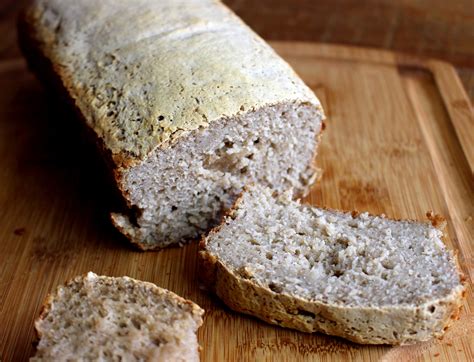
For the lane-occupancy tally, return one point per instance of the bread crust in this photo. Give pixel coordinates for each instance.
(394, 325)
(195, 311)
(122, 224)
(184, 106)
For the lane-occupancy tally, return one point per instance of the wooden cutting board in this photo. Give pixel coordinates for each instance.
(399, 141)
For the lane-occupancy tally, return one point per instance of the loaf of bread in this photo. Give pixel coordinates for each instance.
(366, 278)
(99, 318)
(186, 101)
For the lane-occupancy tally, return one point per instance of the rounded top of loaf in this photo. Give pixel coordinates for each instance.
(145, 72)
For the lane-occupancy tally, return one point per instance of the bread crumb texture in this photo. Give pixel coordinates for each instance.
(148, 78)
(105, 318)
(367, 278)
(180, 192)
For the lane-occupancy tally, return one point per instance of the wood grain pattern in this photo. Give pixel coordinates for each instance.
(437, 28)
(395, 143)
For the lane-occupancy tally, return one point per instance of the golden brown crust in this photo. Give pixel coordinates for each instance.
(438, 221)
(164, 117)
(44, 310)
(241, 294)
(50, 75)
(124, 231)
(244, 296)
(39, 47)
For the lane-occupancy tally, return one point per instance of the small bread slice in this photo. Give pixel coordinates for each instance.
(104, 318)
(365, 278)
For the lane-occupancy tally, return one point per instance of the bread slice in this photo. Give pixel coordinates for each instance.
(95, 318)
(187, 102)
(366, 278)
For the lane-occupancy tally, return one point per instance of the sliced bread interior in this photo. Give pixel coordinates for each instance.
(117, 319)
(183, 189)
(188, 103)
(365, 278)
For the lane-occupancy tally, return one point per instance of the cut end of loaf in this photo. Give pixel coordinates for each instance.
(142, 105)
(105, 318)
(180, 192)
(366, 278)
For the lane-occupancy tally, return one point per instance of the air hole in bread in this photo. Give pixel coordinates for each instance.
(306, 313)
(275, 287)
(366, 267)
(157, 341)
(136, 323)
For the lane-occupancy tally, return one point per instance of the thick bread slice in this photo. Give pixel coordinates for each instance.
(365, 278)
(121, 319)
(188, 103)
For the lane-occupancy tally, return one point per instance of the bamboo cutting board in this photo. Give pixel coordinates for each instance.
(399, 141)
